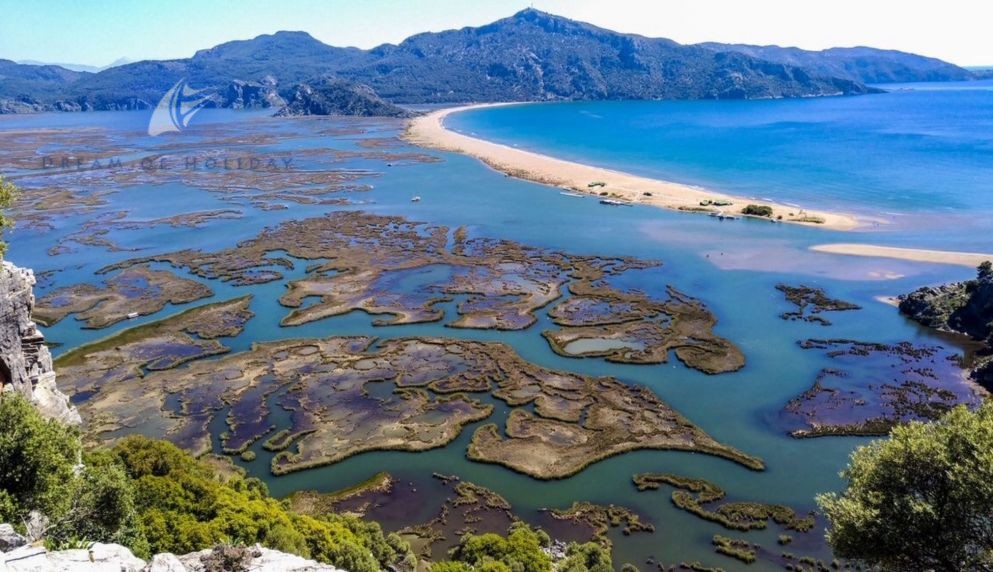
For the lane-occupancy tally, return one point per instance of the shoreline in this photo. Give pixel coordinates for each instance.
(970, 259)
(429, 131)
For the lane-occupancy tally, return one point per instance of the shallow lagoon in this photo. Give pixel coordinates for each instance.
(732, 266)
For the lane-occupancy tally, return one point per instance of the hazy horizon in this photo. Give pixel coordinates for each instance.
(99, 33)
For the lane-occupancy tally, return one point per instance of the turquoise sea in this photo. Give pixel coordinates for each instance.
(920, 158)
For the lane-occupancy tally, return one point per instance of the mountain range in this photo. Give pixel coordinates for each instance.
(530, 56)
(78, 67)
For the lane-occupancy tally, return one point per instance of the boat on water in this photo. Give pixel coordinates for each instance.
(613, 203)
(721, 216)
(569, 194)
(416, 199)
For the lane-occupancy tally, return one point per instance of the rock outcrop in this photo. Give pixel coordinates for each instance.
(116, 558)
(252, 94)
(337, 97)
(10, 539)
(25, 362)
(961, 307)
(98, 558)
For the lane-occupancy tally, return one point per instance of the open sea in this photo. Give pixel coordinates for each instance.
(919, 158)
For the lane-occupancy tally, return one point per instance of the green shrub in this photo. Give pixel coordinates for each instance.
(153, 497)
(520, 551)
(102, 507)
(38, 472)
(757, 210)
(921, 499)
(37, 457)
(8, 194)
(588, 557)
(183, 507)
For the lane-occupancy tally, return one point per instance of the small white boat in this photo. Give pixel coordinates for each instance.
(721, 216)
(415, 199)
(613, 203)
(132, 315)
(569, 194)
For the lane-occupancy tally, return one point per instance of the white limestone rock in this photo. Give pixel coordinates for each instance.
(25, 362)
(259, 559)
(99, 558)
(165, 563)
(9, 539)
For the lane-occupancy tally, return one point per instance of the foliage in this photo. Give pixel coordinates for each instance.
(8, 194)
(153, 497)
(520, 551)
(922, 499)
(184, 507)
(757, 210)
(101, 506)
(588, 557)
(36, 459)
(40, 471)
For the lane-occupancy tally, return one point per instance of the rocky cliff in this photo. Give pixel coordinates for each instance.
(961, 307)
(252, 95)
(336, 97)
(25, 362)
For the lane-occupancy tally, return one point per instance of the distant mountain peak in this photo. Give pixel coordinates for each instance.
(549, 22)
(291, 41)
(533, 13)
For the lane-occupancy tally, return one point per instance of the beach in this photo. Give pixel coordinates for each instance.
(970, 259)
(429, 131)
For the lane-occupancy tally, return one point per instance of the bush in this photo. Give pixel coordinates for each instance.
(40, 471)
(184, 507)
(757, 210)
(8, 194)
(102, 507)
(588, 557)
(37, 457)
(520, 551)
(153, 497)
(920, 500)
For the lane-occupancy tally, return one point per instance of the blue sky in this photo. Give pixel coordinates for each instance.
(97, 32)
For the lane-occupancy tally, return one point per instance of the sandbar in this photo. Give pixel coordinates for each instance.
(970, 259)
(429, 131)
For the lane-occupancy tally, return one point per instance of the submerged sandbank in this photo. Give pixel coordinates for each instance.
(971, 259)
